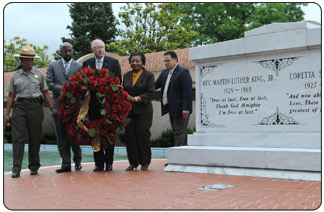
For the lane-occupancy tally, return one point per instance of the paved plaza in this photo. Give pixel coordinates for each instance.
(154, 189)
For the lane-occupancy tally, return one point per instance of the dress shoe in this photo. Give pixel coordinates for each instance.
(33, 172)
(145, 167)
(131, 168)
(61, 170)
(15, 175)
(109, 168)
(98, 169)
(78, 166)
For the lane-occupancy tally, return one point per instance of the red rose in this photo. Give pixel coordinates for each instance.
(75, 91)
(102, 90)
(65, 119)
(116, 108)
(104, 133)
(104, 71)
(67, 112)
(121, 119)
(97, 132)
(129, 106)
(117, 80)
(79, 78)
(125, 94)
(113, 116)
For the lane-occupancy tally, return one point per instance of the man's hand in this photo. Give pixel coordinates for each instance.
(56, 112)
(185, 114)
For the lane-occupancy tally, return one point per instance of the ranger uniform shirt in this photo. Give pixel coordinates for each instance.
(29, 85)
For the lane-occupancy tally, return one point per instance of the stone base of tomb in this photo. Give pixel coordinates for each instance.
(282, 159)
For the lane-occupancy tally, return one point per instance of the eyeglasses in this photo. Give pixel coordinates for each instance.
(99, 47)
(166, 61)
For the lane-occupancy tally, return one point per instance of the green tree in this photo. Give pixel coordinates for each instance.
(267, 13)
(218, 22)
(13, 47)
(151, 27)
(90, 21)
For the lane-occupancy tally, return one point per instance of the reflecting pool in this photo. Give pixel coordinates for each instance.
(49, 155)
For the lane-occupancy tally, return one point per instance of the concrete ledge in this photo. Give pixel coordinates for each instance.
(257, 139)
(294, 159)
(296, 175)
(290, 35)
(279, 27)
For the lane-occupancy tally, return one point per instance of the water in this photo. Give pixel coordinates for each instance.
(51, 156)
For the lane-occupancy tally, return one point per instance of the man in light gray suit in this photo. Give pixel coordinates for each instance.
(58, 73)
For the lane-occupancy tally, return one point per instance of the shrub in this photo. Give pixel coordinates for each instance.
(167, 139)
(121, 137)
(49, 138)
(190, 131)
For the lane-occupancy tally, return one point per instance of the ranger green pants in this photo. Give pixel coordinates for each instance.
(27, 119)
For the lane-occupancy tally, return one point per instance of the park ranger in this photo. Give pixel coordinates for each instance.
(27, 90)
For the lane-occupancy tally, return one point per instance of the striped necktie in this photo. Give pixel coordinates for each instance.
(66, 67)
(98, 65)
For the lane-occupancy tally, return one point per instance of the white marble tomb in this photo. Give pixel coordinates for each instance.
(258, 105)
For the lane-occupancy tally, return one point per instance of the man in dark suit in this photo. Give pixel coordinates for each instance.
(98, 62)
(58, 73)
(176, 96)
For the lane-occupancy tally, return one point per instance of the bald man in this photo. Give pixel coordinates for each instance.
(58, 73)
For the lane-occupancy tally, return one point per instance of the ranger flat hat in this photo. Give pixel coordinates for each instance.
(27, 52)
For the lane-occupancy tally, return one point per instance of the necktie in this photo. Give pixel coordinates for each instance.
(67, 67)
(98, 65)
(165, 92)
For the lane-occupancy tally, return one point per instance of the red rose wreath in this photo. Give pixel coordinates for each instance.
(115, 107)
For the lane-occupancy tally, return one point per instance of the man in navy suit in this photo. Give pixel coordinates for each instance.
(176, 96)
(98, 62)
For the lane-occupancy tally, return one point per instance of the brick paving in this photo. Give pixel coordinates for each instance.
(154, 189)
